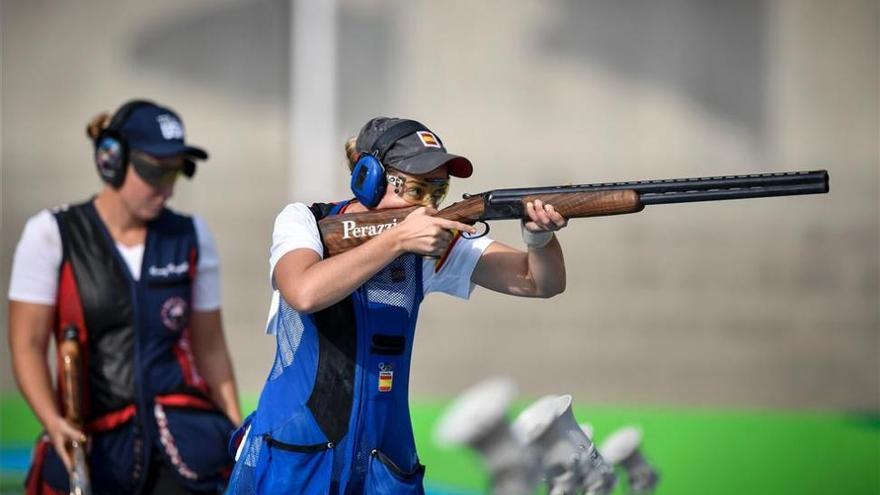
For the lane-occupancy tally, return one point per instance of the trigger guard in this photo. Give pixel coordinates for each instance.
(478, 235)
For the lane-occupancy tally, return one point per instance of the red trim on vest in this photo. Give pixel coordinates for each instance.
(193, 261)
(70, 312)
(111, 420)
(116, 418)
(184, 400)
(183, 347)
(186, 361)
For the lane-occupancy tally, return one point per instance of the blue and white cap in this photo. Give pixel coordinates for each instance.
(158, 132)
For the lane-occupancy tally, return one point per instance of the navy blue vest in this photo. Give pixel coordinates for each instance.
(333, 416)
(143, 393)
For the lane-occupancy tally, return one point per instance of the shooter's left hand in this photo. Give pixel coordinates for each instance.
(543, 217)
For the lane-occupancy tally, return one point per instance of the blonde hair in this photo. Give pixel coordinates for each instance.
(351, 152)
(97, 124)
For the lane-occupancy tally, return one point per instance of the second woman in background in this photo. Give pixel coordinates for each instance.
(138, 286)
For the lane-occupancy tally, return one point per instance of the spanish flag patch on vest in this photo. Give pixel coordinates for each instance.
(385, 380)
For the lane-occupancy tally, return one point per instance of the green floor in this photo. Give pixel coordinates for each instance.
(697, 451)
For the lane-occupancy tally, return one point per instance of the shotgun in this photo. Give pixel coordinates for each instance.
(343, 232)
(71, 375)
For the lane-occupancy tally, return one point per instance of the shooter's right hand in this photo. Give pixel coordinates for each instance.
(427, 235)
(62, 434)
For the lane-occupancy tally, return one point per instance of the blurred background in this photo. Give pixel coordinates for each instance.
(735, 333)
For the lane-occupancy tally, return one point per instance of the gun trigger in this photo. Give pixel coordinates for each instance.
(479, 234)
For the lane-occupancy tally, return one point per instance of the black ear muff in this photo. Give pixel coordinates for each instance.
(111, 157)
(111, 148)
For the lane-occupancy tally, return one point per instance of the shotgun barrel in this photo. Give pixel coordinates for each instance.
(507, 203)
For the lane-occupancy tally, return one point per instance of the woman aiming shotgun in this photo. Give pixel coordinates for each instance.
(333, 416)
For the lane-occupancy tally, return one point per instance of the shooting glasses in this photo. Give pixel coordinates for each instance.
(155, 174)
(424, 192)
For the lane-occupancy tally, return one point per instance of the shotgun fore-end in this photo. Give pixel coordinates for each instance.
(593, 204)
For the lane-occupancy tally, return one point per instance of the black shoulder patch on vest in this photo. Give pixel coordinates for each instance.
(333, 392)
(321, 210)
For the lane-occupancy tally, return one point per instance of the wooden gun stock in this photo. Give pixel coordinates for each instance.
(72, 376)
(343, 232)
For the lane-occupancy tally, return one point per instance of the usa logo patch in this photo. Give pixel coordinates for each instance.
(175, 313)
(171, 128)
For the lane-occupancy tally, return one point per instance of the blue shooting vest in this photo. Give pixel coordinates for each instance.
(333, 417)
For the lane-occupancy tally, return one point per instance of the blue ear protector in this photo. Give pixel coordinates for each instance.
(368, 182)
(111, 148)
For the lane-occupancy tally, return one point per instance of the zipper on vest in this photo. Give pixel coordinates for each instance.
(141, 410)
(140, 396)
(363, 354)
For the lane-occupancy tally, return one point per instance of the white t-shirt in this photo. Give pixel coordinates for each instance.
(39, 253)
(295, 228)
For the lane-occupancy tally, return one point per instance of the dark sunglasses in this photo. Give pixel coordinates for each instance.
(155, 174)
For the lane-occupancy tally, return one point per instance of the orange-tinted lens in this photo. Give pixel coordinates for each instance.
(425, 192)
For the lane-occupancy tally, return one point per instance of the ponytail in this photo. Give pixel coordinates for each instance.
(351, 152)
(97, 124)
